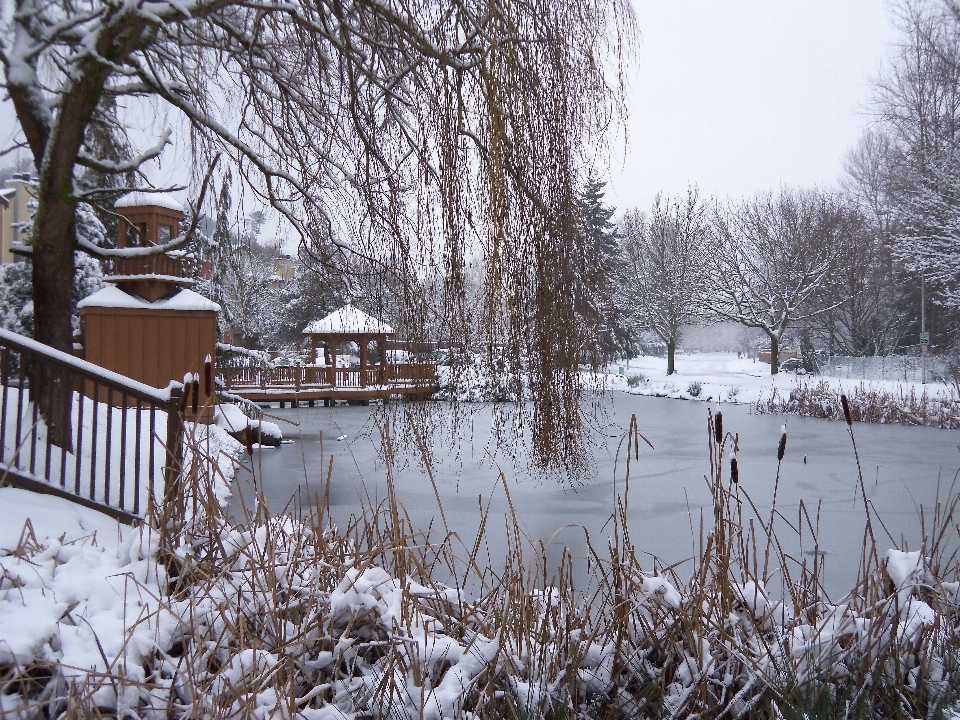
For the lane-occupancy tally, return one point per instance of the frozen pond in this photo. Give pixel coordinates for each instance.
(902, 468)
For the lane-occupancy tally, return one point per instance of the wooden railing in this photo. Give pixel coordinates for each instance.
(313, 377)
(118, 436)
(178, 267)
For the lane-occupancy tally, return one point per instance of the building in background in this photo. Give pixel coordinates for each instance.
(284, 268)
(14, 209)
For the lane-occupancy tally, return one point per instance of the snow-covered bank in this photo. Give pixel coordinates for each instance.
(284, 618)
(724, 377)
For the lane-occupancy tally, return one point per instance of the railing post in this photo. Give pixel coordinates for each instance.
(173, 469)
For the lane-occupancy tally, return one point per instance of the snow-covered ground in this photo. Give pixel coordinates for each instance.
(723, 377)
(277, 620)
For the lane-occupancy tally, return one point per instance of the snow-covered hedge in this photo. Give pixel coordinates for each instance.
(867, 404)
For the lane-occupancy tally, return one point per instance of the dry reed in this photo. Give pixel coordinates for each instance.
(289, 616)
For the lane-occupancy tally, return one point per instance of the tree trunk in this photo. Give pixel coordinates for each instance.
(53, 268)
(671, 357)
(774, 355)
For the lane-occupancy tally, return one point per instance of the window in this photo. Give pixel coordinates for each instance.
(137, 234)
(164, 233)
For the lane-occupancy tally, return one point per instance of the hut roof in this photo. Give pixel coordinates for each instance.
(348, 320)
(142, 199)
(114, 297)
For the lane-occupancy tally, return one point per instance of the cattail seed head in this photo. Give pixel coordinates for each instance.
(734, 470)
(195, 389)
(248, 436)
(718, 427)
(208, 376)
(846, 410)
(185, 398)
(782, 448)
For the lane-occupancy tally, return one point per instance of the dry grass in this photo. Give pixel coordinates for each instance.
(288, 616)
(821, 400)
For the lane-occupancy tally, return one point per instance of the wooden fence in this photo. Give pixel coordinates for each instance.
(119, 436)
(312, 377)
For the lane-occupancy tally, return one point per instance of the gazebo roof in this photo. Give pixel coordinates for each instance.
(348, 320)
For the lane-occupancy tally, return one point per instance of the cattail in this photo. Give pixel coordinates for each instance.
(783, 447)
(734, 470)
(249, 438)
(846, 410)
(195, 389)
(185, 398)
(718, 427)
(208, 376)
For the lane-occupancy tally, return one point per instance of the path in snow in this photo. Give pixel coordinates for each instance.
(902, 466)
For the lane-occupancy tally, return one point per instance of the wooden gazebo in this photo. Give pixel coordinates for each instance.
(349, 324)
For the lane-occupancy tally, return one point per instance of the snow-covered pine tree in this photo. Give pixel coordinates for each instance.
(605, 334)
(16, 279)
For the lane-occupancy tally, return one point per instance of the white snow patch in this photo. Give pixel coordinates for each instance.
(142, 199)
(348, 319)
(113, 297)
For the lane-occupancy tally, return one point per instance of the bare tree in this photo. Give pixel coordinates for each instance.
(400, 130)
(772, 257)
(917, 101)
(664, 267)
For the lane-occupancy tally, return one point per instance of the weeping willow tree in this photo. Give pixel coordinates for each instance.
(413, 136)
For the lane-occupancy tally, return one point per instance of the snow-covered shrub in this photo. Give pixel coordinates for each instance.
(866, 404)
(637, 380)
(694, 389)
(232, 419)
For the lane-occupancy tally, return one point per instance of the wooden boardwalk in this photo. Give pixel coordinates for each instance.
(310, 383)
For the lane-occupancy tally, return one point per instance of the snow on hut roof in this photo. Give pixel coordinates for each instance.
(142, 199)
(114, 297)
(348, 319)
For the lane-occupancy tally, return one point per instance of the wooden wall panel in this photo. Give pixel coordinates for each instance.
(151, 346)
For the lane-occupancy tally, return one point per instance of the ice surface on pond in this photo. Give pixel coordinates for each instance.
(669, 497)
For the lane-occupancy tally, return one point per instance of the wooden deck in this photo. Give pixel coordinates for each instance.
(294, 383)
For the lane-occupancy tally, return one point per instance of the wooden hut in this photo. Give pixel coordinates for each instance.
(349, 324)
(146, 323)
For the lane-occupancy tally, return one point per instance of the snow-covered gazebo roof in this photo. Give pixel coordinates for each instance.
(348, 320)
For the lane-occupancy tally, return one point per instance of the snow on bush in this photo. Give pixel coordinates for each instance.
(867, 404)
(235, 422)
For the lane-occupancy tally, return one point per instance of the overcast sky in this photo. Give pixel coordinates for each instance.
(738, 96)
(743, 95)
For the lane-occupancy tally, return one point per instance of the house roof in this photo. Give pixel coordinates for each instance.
(142, 199)
(348, 320)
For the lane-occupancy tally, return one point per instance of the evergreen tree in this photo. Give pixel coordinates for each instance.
(606, 336)
(16, 279)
